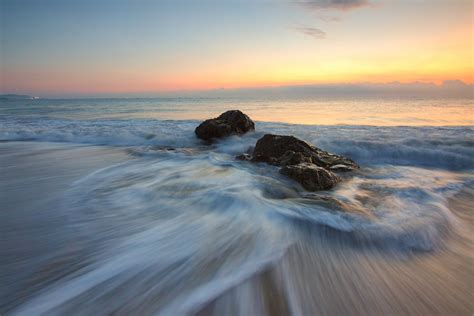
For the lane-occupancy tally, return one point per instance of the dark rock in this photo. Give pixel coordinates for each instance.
(293, 158)
(213, 128)
(244, 157)
(310, 176)
(289, 150)
(232, 122)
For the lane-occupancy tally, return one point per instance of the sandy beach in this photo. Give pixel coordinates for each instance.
(54, 259)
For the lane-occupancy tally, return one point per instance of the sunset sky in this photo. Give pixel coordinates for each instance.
(87, 47)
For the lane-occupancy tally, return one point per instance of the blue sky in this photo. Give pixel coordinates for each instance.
(105, 46)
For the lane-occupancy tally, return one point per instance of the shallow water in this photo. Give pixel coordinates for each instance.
(137, 216)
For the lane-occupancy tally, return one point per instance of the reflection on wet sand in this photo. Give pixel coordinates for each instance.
(96, 230)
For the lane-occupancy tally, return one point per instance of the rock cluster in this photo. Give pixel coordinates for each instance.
(312, 167)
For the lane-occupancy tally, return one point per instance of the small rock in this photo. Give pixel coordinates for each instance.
(244, 157)
(310, 176)
(232, 122)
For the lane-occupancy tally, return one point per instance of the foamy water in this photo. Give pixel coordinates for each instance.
(109, 208)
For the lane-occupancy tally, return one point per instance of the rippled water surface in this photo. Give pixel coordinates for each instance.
(321, 111)
(114, 206)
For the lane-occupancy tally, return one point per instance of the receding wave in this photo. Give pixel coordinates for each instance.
(177, 225)
(440, 147)
(165, 218)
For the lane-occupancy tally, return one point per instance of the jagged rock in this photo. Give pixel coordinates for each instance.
(288, 150)
(310, 176)
(228, 123)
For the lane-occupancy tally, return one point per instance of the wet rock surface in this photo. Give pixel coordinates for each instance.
(310, 176)
(312, 167)
(288, 150)
(244, 157)
(232, 122)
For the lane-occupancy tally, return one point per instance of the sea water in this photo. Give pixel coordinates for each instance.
(114, 206)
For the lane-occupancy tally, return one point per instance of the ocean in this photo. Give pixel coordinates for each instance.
(114, 206)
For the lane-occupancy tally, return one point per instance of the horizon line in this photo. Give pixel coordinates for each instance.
(166, 93)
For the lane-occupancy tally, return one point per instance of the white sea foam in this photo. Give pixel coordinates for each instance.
(182, 222)
(162, 220)
(439, 147)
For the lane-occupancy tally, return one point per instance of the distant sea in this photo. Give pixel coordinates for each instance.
(114, 206)
(312, 111)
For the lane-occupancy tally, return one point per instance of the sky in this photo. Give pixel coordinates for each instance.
(94, 47)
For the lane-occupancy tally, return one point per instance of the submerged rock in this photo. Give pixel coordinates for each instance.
(244, 157)
(232, 122)
(311, 177)
(288, 150)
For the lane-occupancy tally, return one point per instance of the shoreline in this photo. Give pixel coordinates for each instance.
(324, 270)
(324, 275)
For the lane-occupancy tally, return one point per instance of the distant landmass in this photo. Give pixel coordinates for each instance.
(16, 97)
(446, 89)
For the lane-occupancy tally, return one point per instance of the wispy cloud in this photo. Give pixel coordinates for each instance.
(341, 5)
(311, 31)
(328, 11)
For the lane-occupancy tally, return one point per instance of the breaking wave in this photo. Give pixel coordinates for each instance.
(439, 147)
(180, 223)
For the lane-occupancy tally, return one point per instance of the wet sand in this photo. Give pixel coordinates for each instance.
(327, 273)
(34, 179)
(323, 272)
